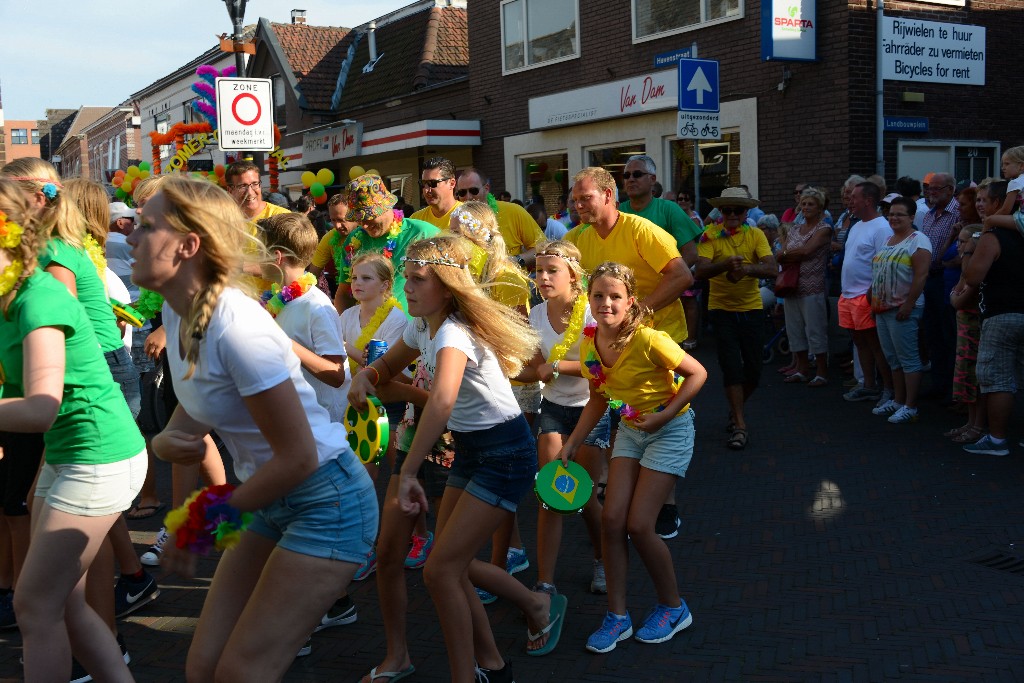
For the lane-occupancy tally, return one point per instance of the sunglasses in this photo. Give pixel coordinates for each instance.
(626, 175)
(433, 183)
(732, 210)
(468, 190)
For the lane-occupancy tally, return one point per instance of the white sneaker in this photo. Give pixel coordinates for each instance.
(151, 558)
(887, 408)
(598, 584)
(885, 397)
(904, 414)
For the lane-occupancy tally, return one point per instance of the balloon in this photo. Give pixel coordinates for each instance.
(542, 167)
(143, 165)
(219, 170)
(212, 177)
(317, 190)
(325, 176)
(144, 174)
(133, 171)
(373, 171)
(355, 172)
(559, 176)
(308, 178)
(321, 199)
(135, 182)
(119, 193)
(126, 186)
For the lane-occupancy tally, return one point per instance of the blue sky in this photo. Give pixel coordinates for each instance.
(97, 53)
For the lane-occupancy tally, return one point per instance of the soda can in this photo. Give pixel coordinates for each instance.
(375, 349)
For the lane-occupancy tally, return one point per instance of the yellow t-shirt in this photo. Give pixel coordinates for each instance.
(517, 228)
(268, 211)
(324, 252)
(752, 245)
(643, 246)
(644, 375)
(442, 222)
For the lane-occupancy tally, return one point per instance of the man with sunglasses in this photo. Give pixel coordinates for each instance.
(243, 181)
(733, 256)
(518, 229)
(437, 184)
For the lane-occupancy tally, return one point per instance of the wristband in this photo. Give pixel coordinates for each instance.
(374, 383)
(554, 370)
(206, 521)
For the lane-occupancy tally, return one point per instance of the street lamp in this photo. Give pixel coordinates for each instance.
(236, 10)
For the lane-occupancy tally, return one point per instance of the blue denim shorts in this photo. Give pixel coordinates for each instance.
(899, 339)
(559, 419)
(124, 373)
(333, 514)
(497, 464)
(667, 450)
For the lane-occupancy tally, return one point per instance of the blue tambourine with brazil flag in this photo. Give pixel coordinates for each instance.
(563, 489)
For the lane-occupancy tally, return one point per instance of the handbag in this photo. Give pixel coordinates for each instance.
(788, 280)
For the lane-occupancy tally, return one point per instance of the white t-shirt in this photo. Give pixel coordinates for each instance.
(1016, 185)
(243, 353)
(118, 292)
(555, 229)
(565, 390)
(390, 330)
(864, 240)
(485, 397)
(312, 321)
(119, 260)
(922, 209)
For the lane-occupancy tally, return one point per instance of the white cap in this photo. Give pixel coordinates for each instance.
(121, 210)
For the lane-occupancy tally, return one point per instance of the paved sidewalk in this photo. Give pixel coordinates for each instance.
(835, 547)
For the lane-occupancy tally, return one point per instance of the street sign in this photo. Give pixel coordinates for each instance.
(698, 85)
(696, 125)
(245, 114)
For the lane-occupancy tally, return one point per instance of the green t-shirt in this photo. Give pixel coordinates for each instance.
(670, 217)
(392, 246)
(94, 424)
(91, 290)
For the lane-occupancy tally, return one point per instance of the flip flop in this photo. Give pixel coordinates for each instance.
(795, 378)
(143, 511)
(738, 440)
(556, 618)
(818, 381)
(391, 675)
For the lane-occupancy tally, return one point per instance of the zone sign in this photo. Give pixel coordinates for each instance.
(245, 114)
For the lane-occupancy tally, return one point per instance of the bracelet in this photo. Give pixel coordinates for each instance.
(390, 371)
(554, 369)
(374, 383)
(206, 521)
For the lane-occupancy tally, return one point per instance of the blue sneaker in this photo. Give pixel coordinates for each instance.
(664, 622)
(613, 629)
(368, 567)
(516, 560)
(485, 597)
(986, 446)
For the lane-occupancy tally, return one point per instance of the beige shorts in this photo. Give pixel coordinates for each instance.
(527, 396)
(93, 490)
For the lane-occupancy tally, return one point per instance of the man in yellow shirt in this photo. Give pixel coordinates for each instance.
(734, 256)
(518, 229)
(437, 182)
(243, 180)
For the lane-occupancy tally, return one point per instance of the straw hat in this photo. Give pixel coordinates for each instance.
(734, 196)
(368, 198)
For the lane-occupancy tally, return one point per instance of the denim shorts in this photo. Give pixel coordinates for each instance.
(123, 370)
(93, 490)
(332, 515)
(433, 476)
(559, 419)
(667, 450)
(899, 339)
(497, 464)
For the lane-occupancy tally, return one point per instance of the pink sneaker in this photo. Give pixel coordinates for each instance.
(420, 551)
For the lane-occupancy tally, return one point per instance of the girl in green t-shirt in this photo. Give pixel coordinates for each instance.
(55, 380)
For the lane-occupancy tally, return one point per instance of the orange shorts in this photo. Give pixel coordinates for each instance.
(855, 313)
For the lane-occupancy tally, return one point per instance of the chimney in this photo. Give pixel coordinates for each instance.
(298, 16)
(371, 30)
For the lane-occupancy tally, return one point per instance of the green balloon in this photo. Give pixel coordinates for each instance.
(317, 190)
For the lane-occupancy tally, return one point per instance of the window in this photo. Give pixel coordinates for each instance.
(613, 160)
(719, 167)
(659, 18)
(19, 136)
(546, 178)
(35, 136)
(280, 109)
(536, 32)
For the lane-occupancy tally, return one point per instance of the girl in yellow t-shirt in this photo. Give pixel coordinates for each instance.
(632, 369)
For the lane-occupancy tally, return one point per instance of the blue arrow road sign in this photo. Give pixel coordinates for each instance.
(698, 85)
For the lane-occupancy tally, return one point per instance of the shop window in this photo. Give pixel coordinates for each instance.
(19, 136)
(659, 18)
(719, 167)
(35, 136)
(613, 160)
(545, 178)
(537, 32)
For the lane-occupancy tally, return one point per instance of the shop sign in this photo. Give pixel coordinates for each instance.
(656, 91)
(789, 30)
(332, 143)
(932, 52)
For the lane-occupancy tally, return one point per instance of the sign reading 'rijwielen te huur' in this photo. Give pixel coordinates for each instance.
(932, 52)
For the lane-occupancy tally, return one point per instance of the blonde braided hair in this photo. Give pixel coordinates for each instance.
(14, 203)
(59, 217)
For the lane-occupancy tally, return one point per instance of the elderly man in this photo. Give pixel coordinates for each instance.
(638, 179)
(437, 182)
(939, 321)
(119, 256)
(518, 229)
(733, 255)
(243, 181)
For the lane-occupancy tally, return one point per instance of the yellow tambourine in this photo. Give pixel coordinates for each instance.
(368, 431)
(127, 314)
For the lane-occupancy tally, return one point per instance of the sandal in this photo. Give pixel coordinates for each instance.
(957, 431)
(738, 440)
(795, 378)
(143, 511)
(969, 435)
(391, 675)
(818, 381)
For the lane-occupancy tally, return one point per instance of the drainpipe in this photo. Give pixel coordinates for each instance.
(371, 31)
(879, 93)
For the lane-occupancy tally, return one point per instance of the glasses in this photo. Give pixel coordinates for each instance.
(898, 215)
(732, 210)
(684, 199)
(626, 175)
(938, 188)
(468, 190)
(433, 183)
(246, 186)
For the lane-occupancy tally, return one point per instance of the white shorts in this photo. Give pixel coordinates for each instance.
(93, 490)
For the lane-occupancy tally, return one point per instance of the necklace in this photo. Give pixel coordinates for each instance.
(343, 256)
(572, 331)
(379, 316)
(712, 234)
(277, 297)
(98, 258)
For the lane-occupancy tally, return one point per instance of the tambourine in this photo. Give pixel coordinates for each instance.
(368, 431)
(564, 490)
(127, 314)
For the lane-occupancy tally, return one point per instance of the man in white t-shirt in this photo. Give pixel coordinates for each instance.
(119, 254)
(864, 240)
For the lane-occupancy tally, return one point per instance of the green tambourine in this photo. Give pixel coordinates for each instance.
(368, 431)
(564, 490)
(127, 314)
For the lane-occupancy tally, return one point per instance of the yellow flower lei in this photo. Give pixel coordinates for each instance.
(9, 276)
(98, 258)
(371, 328)
(10, 237)
(572, 331)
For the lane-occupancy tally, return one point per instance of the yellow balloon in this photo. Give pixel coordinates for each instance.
(308, 178)
(355, 172)
(132, 171)
(373, 171)
(325, 177)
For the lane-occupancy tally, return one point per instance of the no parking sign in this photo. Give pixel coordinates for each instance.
(245, 114)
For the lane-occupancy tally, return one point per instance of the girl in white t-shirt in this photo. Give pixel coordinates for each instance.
(469, 345)
(1012, 166)
(312, 510)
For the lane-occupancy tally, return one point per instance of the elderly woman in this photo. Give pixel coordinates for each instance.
(684, 198)
(898, 273)
(806, 320)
